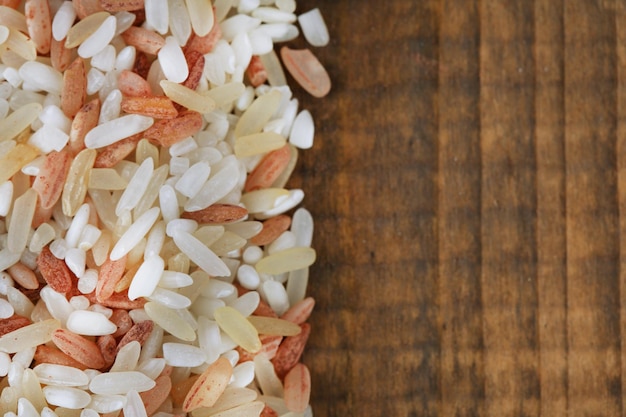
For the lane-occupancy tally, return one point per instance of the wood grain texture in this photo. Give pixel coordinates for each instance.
(471, 223)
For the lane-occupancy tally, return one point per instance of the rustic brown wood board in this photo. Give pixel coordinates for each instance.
(468, 183)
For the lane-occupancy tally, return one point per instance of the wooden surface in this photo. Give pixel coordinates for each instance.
(468, 183)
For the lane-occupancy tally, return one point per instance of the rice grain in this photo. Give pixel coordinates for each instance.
(147, 187)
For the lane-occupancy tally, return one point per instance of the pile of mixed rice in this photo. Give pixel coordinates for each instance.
(152, 260)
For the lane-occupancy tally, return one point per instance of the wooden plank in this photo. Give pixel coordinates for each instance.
(508, 301)
(375, 340)
(508, 209)
(551, 256)
(620, 26)
(460, 304)
(594, 368)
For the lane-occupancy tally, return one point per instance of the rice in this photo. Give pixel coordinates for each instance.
(147, 248)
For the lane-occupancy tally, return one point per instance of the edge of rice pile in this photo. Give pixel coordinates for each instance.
(152, 259)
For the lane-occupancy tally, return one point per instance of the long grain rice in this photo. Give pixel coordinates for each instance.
(160, 275)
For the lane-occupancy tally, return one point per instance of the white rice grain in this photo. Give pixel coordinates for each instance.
(111, 106)
(146, 278)
(95, 81)
(152, 367)
(276, 296)
(172, 61)
(302, 131)
(314, 28)
(135, 233)
(87, 283)
(180, 226)
(136, 187)
(178, 354)
(56, 303)
(75, 259)
(157, 16)
(63, 20)
(99, 39)
(182, 147)
(25, 408)
(6, 197)
(68, 397)
(107, 403)
(273, 15)
(5, 362)
(242, 47)
(156, 238)
(247, 303)
(52, 115)
(285, 241)
(179, 22)
(79, 302)
(246, 6)
(6, 309)
(218, 289)
(125, 58)
(224, 179)
(117, 129)
(41, 76)
(243, 375)
(200, 254)
(248, 277)
(49, 138)
(260, 41)
(124, 21)
(88, 237)
(239, 23)
(134, 405)
(77, 225)
(60, 375)
(173, 279)
(89, 323)
(115, 383)
(105, 59)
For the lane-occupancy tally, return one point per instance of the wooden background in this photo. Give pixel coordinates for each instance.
(468, 183)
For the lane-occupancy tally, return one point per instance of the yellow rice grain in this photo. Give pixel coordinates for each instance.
(187, 97)
(258, 143)
(29, 336)
(273, 326)
(225, 94)
(31, 389)
(262, 200)
(170, 321)
(21, 45)
(13, 19)
(146, 150)
(228, 242)
(258, 114)
(235, 325)
(85, 28)
(208, 235)
(15, 159)
(76, 184)
(286, 260)
(106, 179)
(19, 120)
